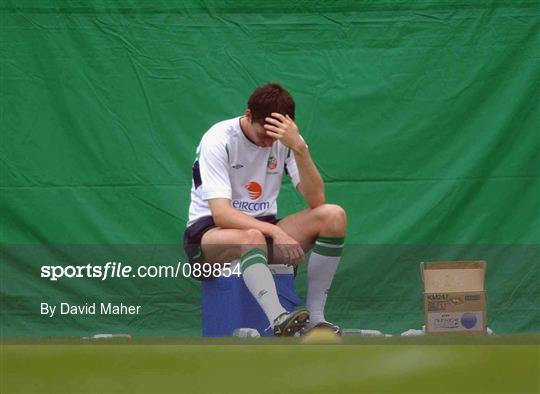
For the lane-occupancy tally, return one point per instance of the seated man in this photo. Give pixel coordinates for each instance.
(236, 182)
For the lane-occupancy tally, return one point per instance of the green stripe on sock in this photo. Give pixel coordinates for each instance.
(332, 240)
(325, 251)
(254, 256)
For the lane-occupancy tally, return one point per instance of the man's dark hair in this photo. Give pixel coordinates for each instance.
(268, 98)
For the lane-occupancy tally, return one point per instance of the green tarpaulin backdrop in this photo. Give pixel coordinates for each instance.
(422, 116)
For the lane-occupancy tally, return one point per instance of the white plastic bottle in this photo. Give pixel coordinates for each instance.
(246, 333)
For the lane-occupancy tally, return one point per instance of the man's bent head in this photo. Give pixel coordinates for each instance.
(268, 98)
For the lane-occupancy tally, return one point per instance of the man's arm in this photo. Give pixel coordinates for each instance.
(227, 217)
(311, 184)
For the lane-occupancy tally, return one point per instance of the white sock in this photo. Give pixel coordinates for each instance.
(260, 282)
(322, 266)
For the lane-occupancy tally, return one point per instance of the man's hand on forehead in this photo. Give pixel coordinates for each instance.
(283, 128)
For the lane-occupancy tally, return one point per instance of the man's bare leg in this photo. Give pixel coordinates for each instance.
(223, 245)
(324, 227)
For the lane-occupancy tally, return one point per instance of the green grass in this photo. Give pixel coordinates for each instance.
(364, 365)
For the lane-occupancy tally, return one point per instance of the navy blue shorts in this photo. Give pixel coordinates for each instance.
(194, 233)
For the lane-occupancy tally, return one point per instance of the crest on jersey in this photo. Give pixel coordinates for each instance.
(272, 163)
(254, 190)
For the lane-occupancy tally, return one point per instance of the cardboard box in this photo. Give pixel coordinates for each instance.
(454, 297)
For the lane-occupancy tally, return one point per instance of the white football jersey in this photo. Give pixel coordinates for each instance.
(229, 165)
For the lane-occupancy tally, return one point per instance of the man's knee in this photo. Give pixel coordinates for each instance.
(251, 238)
(332, 217)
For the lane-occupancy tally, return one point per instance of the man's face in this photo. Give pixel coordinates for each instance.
(257, 132)
(262, 138)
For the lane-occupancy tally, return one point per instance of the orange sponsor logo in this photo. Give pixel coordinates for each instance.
(254, 189)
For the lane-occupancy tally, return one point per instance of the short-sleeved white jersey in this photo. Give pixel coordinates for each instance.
(229, 165)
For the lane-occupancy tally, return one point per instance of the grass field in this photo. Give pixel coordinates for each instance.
(501, 364)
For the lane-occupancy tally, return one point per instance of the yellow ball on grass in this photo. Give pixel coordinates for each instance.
(321, 336)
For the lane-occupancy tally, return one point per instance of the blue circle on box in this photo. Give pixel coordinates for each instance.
(468, 320)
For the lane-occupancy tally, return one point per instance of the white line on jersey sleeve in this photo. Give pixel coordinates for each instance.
(292, 169)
